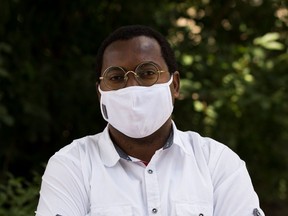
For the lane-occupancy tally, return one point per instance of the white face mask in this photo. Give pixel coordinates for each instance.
(137, 111)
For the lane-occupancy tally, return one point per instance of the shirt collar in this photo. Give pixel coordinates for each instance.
(180, 139)
(110, 153)
(125, 156)
(121, 153)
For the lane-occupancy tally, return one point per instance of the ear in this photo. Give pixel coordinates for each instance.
(97, 90)
(176, 84)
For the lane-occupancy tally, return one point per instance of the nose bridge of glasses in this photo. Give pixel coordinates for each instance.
(128, 72)
(131, 78)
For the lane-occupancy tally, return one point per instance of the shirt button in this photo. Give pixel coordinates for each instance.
(256, 212)
(154, 210)
(201, 214)
(150, 171)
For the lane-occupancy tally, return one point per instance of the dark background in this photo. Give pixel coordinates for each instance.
(233, 63)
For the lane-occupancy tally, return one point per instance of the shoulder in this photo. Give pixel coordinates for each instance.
(218, 158)
(203, 145)
(77, 155)
(75, 161)
(80, 147)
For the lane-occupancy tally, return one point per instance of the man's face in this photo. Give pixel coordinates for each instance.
(130, 53)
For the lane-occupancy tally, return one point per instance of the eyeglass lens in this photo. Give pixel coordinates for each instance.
(147, 74)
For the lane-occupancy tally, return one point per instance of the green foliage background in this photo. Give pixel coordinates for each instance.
(233, 63)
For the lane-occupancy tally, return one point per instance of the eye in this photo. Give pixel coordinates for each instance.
(147, 74)
(147, 71)
(115, 75)
(116, 78)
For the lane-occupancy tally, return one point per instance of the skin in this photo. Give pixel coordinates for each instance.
(128, 54)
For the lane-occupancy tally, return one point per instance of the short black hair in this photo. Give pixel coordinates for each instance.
(131, 31)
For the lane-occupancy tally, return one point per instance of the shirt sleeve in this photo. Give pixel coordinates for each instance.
(63, 191)
(234, 194)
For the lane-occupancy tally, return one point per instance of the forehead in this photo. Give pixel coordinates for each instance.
(130, 53)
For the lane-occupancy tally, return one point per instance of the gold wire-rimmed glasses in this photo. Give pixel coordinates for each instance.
(146, 74)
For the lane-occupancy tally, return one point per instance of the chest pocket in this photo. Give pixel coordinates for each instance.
(112, 211)
(193, 209)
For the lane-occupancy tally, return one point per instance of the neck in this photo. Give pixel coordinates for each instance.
(142, 148)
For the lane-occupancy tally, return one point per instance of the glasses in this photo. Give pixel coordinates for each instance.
(146, 74)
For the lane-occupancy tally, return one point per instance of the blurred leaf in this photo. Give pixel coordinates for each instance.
(268, 41)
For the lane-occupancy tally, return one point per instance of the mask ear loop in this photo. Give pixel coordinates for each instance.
(171, 79)
(168, 83)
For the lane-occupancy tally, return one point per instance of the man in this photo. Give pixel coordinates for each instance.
(141, 164)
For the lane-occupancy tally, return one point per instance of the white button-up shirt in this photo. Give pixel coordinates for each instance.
(194, 176)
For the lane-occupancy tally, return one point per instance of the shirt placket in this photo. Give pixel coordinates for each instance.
(152, 190)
